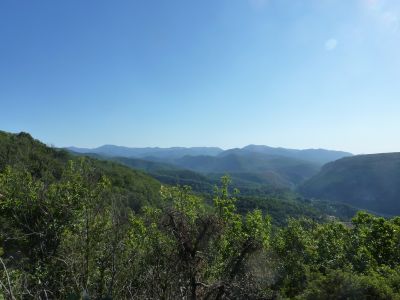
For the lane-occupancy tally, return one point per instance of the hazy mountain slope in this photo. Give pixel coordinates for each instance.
(365, 181)
(254, 183)
(287, 171)
(145, 165)
(318, 156)
(249, 170)
(248, 183)
(161, 153)
(251, 167)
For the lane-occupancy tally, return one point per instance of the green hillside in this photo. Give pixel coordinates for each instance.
(169, 174)
(22, 152)
(366, 181)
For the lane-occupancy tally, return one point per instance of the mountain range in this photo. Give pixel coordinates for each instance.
(318, 156)
(370, 182)
(253, 165)
(155, 152)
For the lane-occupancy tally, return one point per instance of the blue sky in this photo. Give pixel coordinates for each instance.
(290, 73)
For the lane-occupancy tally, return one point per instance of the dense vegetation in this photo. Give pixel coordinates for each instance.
(22, 152)
(72, 239)
(282, 207)
(367, 181)
(169, 174)
(73, 227)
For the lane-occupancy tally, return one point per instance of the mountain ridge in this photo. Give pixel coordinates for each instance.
(370, 181)
(252, 165)
(122, 151)
(320, 156)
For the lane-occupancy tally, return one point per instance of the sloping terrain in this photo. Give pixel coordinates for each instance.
(366, 181)
(317, 156)
(23, 152)
(270, 169)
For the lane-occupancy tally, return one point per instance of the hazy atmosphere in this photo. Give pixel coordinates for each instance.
(226, 73)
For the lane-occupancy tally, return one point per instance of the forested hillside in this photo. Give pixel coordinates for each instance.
(21, 152)
(366, 181)
(285, 171)
(249, 171)
(76, 227)
(170, 174)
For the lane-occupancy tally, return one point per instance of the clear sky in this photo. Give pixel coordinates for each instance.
(290, 73)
